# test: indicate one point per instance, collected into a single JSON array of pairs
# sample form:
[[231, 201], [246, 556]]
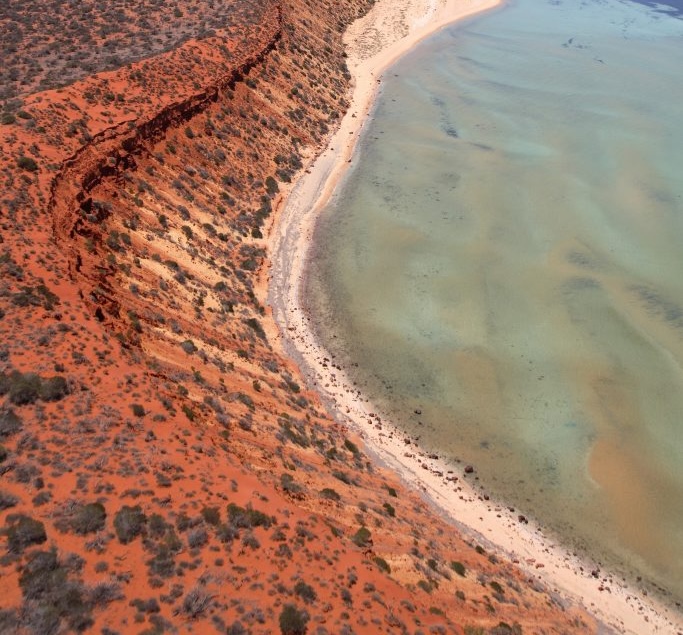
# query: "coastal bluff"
[[165, 468]]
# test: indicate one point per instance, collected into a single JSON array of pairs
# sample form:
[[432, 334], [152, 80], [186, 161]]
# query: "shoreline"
[[374, 43]]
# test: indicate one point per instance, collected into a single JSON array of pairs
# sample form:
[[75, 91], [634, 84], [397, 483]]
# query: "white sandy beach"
[[374, 43]]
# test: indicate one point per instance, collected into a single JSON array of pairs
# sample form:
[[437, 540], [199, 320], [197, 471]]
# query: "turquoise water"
[[506, 258]]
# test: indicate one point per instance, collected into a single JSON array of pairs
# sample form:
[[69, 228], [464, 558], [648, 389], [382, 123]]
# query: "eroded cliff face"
[[82, 223], [163, 466]]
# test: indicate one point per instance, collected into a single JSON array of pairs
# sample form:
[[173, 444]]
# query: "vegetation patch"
[[27, 388], [330, 494], [459, 568], [246, 517], [54, 602], [362, 538], [129, 523], [89, 518], [293, 621], [23, 532]]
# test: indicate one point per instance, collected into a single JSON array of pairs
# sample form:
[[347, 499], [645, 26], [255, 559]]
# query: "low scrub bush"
[[459, 568], [57, 604], [27, 388], [10, 423], [7, 500], [195, 603], [27, 163], [293, 621], [246, 517], [305, 591], [129, 523], [330, 494], [362, 538], [24, 532], [89, 518]]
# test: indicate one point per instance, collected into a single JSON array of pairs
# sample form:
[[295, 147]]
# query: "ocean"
[[501, 272]]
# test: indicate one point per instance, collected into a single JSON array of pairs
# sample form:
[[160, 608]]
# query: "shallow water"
[[506, 258]]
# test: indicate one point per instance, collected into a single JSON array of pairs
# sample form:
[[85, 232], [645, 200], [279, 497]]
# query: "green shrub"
[[39, 295], [382, 564], [56, 603], [137, 409], [295, 433], [305, 591], [505, 629], [197, 537], [459, 568], [246, 518], [237, 628], [54, 388], [391, 491], [289, 485], [24, 532], [351, 447], [7, 500], [211, 515], [330, 494], [41, 574], [362, 538], [342, 476], [129, 523], [389, 509], [196, 602], [104, 593], [271, 186], [27, 163], [189, 347], [255, 325], [425, 586], [10, 423], [496, 587], [162, 563], [226, 533], [89, 518], [25, 388], [146, 606], [293, 621], [157, 526]]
